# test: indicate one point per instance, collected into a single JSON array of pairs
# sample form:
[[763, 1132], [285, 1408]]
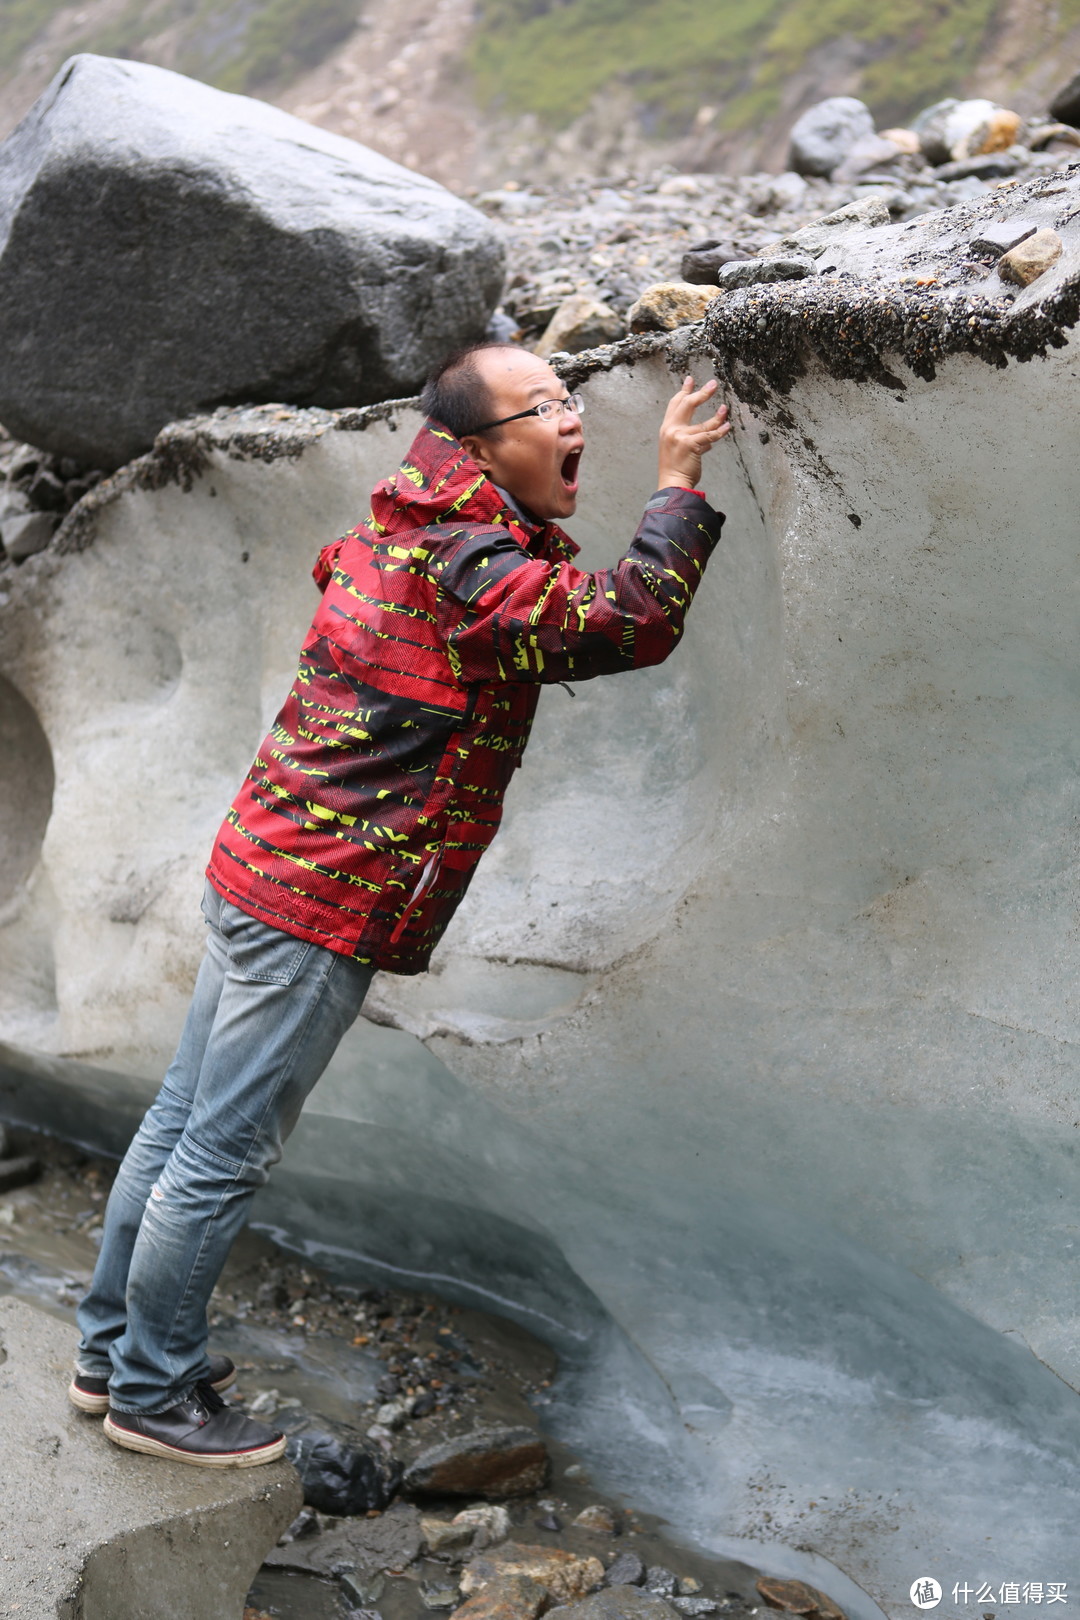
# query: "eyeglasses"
[[546, 409]]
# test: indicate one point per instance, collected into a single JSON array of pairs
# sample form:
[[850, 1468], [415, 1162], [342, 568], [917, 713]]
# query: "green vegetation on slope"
[[551, 57], [240, 45]]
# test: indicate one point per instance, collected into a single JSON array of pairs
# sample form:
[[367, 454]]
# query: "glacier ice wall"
[[747, 1073]]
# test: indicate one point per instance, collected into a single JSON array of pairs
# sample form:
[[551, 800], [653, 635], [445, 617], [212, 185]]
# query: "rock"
[[439, 1595], [548, 1521], [446, 1535], [392, 1415], [341, 1479], [995, 133], [23, 536], [863, 214], [780, 193], [502, 328], [701, 262], [962, 129], [1040, 137], [750, 272], [871, 152], [1065, 105], [1033, 256], [392, 1541], [512, 1597], [823, 137], [18, 1172], [489, 1523], [598, 1519], [694, 1606], [580, 322], [999, 235], [563, 1575], [660, 1582], [164, 245], [486, 1462], [797, 1597], [46, 491], [989, 166], [625, 1570], [669, 304], [620, 1603]]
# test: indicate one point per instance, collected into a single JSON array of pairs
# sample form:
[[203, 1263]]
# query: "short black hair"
[[456, 395]]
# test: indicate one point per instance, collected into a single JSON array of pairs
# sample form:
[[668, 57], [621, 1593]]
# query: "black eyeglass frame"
[[574, 401]]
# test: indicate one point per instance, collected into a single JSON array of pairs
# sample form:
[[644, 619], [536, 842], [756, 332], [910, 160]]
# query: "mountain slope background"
[[479, 91]]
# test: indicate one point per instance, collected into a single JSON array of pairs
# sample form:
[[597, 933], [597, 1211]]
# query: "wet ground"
[[312, 1355]]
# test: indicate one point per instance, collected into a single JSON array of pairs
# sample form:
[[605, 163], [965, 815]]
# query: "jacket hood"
[[438, 482]]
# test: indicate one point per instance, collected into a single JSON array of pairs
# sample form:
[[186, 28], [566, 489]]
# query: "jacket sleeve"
[[508, 616]]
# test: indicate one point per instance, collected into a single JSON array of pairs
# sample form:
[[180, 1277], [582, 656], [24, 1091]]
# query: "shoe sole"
[[227, 1459], [98, 1405]]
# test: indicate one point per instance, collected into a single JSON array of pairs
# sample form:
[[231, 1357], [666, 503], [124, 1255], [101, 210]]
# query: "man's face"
[[536, 461]]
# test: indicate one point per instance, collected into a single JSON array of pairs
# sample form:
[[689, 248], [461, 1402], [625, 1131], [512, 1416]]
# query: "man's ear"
[[476, 447]]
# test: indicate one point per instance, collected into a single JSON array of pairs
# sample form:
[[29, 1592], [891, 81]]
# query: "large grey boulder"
[[826, 133], [166, 247]]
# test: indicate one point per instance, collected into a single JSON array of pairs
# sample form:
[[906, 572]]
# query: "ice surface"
[[748, 1071]]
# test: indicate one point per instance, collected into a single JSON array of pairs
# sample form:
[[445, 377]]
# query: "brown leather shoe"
[[201, 1430]]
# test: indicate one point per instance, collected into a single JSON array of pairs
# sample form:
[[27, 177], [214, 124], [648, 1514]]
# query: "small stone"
[[563, 1575], [660, 1582], [512, 1597], [485, 1462], [822, 138], [304, 1525], [701, 262], [548, 1521], [367, 1547], [443, 1535], [264, 1403], [626, 1570], [439, 1595], [1042, 135], [865, 213], [18, 1172], [392, 1415], [23, 536], [797, 1597], [873, 151], [988, 166], [620, 1603], [694, 1606], [1000, 235], [752, 272], [688, 1587], [668, 304], [489, 1523], [46, 491], [1031, 258], [423, 1404], [598, 1519], [580, 322], [905, 139]]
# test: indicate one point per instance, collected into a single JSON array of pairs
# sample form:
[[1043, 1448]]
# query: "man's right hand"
[[683, 441]]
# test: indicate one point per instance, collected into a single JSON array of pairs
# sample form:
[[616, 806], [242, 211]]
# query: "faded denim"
[[266, 1017]]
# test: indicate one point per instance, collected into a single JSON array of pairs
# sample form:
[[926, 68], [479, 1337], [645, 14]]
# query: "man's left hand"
[[683, 441]]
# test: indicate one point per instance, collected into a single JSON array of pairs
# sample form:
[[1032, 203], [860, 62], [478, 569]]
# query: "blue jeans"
[[266, 1017]]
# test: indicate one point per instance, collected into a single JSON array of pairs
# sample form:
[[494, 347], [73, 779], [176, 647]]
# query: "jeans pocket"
[[259, 953]]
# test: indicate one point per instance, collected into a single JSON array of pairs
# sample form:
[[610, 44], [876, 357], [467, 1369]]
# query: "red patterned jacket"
[[381, 783]]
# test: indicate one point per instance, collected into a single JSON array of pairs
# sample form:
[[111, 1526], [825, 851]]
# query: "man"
[[355, 834]]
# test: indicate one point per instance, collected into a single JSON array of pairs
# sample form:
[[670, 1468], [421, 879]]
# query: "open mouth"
[[569, 470]]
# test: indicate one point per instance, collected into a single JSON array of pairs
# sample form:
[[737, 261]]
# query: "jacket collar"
[[438, 482]]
